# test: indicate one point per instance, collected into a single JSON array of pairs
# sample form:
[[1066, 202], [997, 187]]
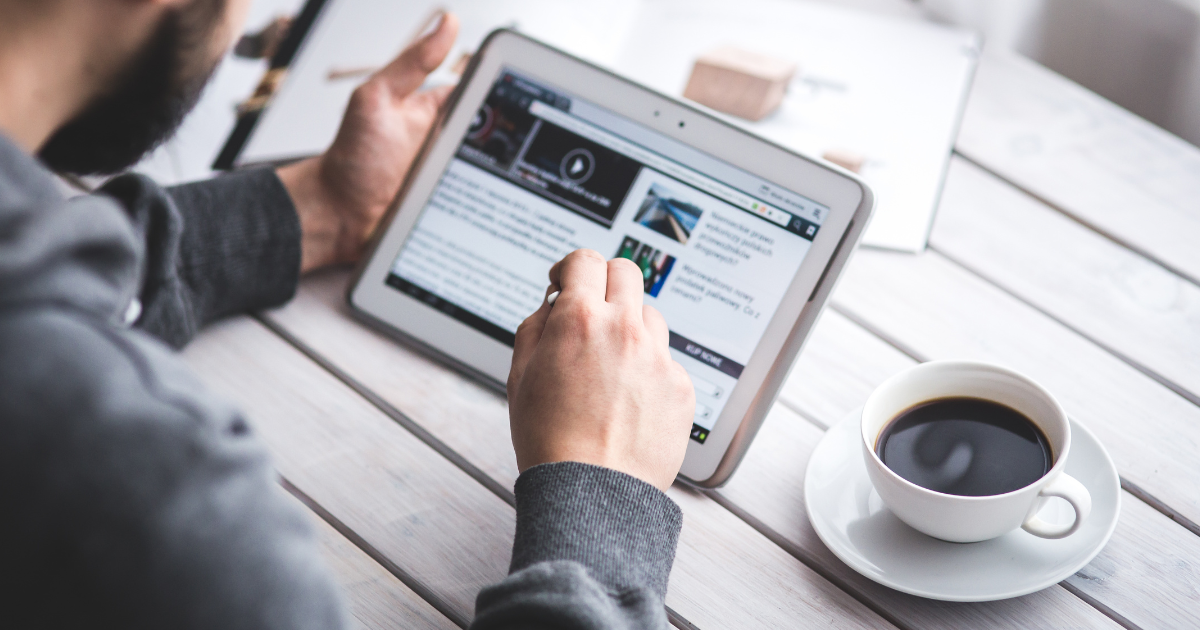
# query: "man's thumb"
[[407, 72]]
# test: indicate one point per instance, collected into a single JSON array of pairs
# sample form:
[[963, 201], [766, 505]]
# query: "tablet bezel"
[[849, 200]]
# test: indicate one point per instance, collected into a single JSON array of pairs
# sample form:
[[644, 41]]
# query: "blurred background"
[[1143, 55]]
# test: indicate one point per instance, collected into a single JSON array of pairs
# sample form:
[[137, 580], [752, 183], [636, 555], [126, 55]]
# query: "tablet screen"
[[541, 173]]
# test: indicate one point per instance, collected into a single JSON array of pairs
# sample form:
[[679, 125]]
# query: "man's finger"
[[582, 274], [429, 101], [625, 283], [407, 72], [529, 333]]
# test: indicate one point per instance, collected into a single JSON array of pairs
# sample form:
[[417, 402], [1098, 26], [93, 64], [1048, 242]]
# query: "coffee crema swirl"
[[965, 446]]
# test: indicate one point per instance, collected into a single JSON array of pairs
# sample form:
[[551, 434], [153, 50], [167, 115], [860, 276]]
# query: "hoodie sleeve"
[[593, 550], [214, 248]]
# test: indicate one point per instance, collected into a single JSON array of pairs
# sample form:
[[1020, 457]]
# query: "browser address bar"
[[655, 161]]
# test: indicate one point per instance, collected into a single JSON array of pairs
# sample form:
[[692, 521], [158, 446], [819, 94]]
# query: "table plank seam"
[[679, 621], [1079, 219], [396, 415], [400, 418], [1159, 506], [794, 408], [405, 577], [857, 320], [1131, 362], [805, 558], [1098, 605]]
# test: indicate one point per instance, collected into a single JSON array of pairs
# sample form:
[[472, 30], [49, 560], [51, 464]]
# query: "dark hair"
[[148, 101]]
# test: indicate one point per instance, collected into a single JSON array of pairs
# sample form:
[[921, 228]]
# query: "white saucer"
[[852, 521]]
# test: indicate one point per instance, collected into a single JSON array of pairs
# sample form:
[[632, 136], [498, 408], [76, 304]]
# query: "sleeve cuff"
[[622, 530], [241, 243]]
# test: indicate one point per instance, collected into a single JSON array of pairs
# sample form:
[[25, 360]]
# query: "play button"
[[577, 166]]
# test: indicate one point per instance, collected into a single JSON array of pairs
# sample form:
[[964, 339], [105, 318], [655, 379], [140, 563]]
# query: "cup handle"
[[1065, 487]]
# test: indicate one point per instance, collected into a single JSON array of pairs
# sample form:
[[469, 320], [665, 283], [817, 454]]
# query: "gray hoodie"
[[133, 498]]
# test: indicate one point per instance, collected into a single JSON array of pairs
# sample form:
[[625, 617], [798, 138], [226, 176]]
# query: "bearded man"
[[132, 498]]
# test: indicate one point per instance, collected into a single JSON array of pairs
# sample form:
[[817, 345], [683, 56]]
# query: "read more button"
[[706, 356]]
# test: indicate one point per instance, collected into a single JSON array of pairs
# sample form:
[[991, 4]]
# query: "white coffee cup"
[[973, 518]]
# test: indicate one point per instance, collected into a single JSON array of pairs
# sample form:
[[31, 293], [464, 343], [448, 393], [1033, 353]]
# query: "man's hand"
[[593, 380], [341, 195]]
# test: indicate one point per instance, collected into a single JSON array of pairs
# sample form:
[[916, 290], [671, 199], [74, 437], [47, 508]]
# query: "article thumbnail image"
[[500, 126], [587, 178], [663, 212], [655, 264]]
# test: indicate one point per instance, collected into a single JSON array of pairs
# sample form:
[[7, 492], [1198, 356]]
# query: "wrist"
[[583, 449], [321, 228]]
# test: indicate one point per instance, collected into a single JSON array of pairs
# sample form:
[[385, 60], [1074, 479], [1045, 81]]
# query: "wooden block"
[[848, 160], [739, 82]]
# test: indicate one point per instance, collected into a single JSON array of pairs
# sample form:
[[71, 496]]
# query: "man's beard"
[[147, 104]]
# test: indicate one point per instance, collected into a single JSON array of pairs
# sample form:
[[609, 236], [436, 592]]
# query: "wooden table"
[[1067, 246]]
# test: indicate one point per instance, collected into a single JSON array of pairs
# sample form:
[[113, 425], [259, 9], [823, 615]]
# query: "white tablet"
[[537, 154]]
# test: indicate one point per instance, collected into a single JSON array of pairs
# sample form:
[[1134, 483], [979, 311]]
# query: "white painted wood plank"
[[726, 573], [734, 577], [1148, 573], [942, 311], [1111, 294], [220, 357], [401, 496], [1087, 156], [318, 317], [840, 365], [376, 598]]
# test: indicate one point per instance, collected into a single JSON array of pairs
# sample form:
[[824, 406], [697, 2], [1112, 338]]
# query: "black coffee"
[[965, 446]]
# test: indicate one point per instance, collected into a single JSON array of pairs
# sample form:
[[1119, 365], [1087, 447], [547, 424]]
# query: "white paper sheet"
[[891, 90]]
